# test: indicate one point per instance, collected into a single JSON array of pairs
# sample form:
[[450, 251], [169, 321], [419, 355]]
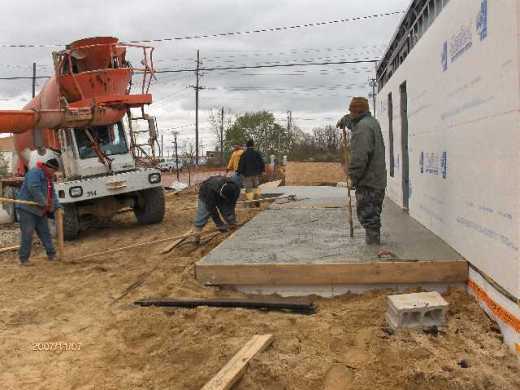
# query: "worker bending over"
[[37, 187], [250, 168], [367, 170], [217, 194]]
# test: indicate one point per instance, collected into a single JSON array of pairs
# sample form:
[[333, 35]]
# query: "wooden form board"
[[376, 272], [234, 369]]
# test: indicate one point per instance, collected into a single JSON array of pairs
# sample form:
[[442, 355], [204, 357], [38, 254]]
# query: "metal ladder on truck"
[[143, 142]]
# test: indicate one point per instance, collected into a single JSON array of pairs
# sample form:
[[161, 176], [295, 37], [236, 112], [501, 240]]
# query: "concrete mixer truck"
[[85, 115]]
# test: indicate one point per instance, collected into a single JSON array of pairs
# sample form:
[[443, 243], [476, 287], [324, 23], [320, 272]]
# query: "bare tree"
[[215, 120], [323, 145]]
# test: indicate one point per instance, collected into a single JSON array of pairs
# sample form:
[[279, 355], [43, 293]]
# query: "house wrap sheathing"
[[449, 107]]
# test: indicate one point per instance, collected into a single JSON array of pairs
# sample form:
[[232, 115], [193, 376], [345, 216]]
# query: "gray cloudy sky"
[[316, 95]]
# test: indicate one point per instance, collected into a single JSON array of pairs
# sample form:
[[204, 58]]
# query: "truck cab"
[[79, 154], [100, 178]]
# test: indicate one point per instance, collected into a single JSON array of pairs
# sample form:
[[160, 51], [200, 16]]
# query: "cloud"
[[314, 93]]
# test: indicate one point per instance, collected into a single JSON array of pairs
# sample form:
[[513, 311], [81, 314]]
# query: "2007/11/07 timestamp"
[[56, 346]]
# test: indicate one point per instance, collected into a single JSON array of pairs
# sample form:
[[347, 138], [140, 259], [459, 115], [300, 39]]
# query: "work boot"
[[373, 237], [257, 195], [250, 196], [223, 228]]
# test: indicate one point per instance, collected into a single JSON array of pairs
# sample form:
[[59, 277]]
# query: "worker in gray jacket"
[[367, 170]]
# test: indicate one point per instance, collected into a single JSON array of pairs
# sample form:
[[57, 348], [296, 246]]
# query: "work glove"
[[345, 122]]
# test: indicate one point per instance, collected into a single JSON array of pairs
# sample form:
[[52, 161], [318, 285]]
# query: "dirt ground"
[[313, 174], [345, 345]]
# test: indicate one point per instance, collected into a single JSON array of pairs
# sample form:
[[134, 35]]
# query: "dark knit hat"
[[359, 105], [52, 163], [229, 191]]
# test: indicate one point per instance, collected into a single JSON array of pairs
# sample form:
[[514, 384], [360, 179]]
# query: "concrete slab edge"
[[330, 291], [366, 273]]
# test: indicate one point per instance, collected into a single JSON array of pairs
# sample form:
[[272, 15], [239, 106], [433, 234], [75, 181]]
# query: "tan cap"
[[359, 105]]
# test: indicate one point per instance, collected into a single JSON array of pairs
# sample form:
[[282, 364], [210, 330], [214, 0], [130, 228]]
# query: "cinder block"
[[416, 310]]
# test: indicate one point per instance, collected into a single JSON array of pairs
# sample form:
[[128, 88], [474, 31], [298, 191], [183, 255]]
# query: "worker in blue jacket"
[[37, 187]]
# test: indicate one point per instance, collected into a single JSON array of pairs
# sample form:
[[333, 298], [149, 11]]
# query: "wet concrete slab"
[[303, 247], [314, 229]]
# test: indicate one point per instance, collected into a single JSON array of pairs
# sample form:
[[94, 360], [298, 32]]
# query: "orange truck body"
[[91, 87]]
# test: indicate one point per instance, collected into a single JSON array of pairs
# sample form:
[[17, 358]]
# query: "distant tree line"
[[271, 138], [324, 144]]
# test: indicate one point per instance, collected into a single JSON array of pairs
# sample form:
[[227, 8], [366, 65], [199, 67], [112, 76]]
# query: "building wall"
[[463, 88]]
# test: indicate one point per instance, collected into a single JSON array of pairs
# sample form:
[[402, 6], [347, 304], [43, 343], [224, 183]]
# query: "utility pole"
[[197, 88], [175, 133], [373, 84], [161, 152], [289, 126], [34, 80], [222, 136]]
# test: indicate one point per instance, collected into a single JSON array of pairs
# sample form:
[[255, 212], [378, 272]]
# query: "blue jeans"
[[30, 222], [203, 215]]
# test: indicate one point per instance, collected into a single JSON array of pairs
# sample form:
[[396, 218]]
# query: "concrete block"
[[416, 310]]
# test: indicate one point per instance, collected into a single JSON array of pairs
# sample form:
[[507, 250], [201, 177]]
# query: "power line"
[[259, 66], [227, 34], [24, 77], [272, 29], [217, 68]]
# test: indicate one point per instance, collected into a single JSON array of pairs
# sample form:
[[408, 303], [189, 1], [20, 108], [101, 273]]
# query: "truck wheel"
[[150, 207], [71, 224]]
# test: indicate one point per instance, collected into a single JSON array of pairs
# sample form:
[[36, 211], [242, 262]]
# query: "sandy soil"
[[344, 346], [313, 174]]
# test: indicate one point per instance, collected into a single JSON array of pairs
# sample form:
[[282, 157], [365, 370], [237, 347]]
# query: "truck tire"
[[71, 225], [150, 207]]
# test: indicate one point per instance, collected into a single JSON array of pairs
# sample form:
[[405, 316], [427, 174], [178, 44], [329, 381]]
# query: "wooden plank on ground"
[[374, 272], [60, 234], [173, 245], [133, 246], [234, 369], [9, 248]]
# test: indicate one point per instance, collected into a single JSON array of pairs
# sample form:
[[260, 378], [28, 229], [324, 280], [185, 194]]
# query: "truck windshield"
[[111, 138]]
